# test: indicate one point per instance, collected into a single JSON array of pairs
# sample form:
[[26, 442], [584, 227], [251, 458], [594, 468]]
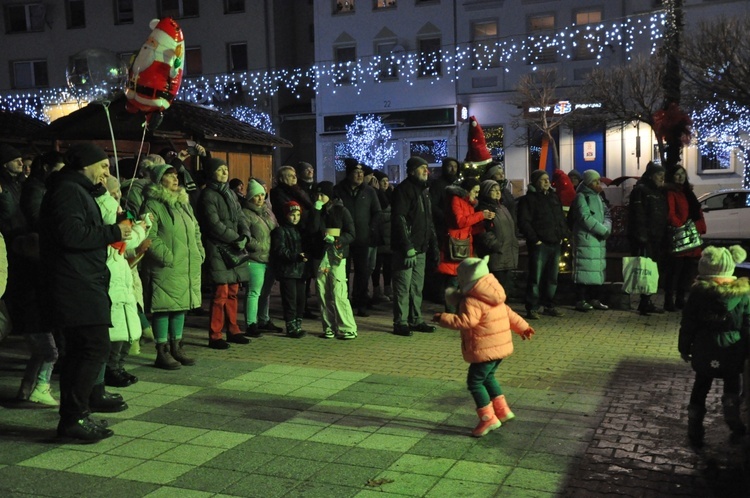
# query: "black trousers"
[[86, 351], [362, 261], [292, 297]]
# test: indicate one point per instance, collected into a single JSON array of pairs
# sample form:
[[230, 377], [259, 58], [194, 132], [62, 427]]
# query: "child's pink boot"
[[502, 410], [487, 421]]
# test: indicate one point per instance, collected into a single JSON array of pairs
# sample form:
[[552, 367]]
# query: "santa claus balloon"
[[156, 73]]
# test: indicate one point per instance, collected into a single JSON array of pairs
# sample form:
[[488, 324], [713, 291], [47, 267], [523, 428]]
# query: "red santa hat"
[[478, 153], [168, 26]]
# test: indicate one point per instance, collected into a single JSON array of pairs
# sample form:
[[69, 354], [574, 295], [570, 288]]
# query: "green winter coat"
[[715, 327], [222, 224], [171, 269], [260, 225], [591, 227]]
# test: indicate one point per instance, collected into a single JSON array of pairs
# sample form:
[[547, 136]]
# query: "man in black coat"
[[542, 223], [362, 202], [412, 237], [73, 244]]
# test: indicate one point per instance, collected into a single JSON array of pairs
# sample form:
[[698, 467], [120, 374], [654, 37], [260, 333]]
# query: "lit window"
[[716, 156], [178, 8], [385, 4], [484, 36], [342, 6], [23, 18], [429, 57], [30, 74], [587, 40], [237, 57], [75, 14], [540, 28], [389, 53], [123, 11]]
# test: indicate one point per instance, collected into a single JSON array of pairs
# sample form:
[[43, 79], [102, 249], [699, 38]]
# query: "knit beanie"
[[652, 168], [536, 175], [158, 171], [485, 187], [302, 166], [379, 174], [491, 172], [575, 174], [469, 183], [211, 165], [367, 170], [470, 270], [589, 176], [8, 153], [326, 188], [719, 262], [292, 206], [254, 188], [351, 164], [84, 154], [415, 162]]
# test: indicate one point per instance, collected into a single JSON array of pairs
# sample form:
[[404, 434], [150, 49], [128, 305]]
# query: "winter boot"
[[731, 406], [502, 410], [42, 394], [178, 353], [102, 401], [292, 330], [695, 425], [253, 331], [487, 421], [135, 348], [669, 302], [164, 359], [148, 334]]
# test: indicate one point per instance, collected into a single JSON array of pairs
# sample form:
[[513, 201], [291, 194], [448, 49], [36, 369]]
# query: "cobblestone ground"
[[600, 399]]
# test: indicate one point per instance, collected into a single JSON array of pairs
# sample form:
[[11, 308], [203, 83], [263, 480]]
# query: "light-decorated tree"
[[368, 140], [721, 128]]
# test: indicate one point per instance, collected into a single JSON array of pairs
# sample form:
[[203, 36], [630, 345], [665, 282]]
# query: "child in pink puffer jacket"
[[485, 322]]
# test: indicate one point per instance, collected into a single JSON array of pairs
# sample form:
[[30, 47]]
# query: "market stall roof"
[[17, 126], [181, 120]]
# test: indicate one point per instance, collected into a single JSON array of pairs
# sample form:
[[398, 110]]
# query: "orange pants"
[[224, 304]]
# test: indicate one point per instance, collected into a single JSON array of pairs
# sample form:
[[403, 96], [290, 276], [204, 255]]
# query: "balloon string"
[[137, 162], [112, 135]]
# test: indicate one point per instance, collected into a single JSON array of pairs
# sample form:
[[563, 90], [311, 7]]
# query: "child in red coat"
[[485, 322]]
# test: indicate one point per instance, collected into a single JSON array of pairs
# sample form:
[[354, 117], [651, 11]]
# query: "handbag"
[[232, 256], [640, 275], [458, 249], [685, 237]]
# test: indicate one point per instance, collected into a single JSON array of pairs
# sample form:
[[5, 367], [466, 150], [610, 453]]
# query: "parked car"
[[727, 214]]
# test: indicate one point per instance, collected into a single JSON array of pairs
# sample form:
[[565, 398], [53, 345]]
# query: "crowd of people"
[[118, 266]]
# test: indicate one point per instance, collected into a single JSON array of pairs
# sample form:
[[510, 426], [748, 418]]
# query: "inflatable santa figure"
[[156, 73], [478, 154]]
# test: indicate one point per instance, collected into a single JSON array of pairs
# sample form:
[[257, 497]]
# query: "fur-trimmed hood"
[[737, 288], [173, 199], [456, 191]]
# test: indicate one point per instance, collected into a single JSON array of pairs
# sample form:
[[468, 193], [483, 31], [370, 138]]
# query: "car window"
[[716, 202]]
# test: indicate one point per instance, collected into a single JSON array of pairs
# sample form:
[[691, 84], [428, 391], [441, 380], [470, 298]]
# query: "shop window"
[[587, 41], [345, 57], [75, 14], [123, 11], [541, 27], [483, 47], [429, 57], [432, 151], [237, 57], [234, 6], [30, 74], [24, 17], [716, 157], [193, 61], [178, 9]]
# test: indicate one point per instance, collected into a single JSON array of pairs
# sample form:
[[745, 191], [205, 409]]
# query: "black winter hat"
[[8, 153], [211, 165], [351, 164], [379, 174], [326, 188], [84, 154], [415, 162]]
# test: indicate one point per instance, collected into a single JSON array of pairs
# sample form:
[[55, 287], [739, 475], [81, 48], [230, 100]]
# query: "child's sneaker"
[[347, 335], [329, 334]]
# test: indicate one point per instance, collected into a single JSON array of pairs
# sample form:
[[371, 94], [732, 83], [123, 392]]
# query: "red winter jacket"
[[678, 214], [462, 222]]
